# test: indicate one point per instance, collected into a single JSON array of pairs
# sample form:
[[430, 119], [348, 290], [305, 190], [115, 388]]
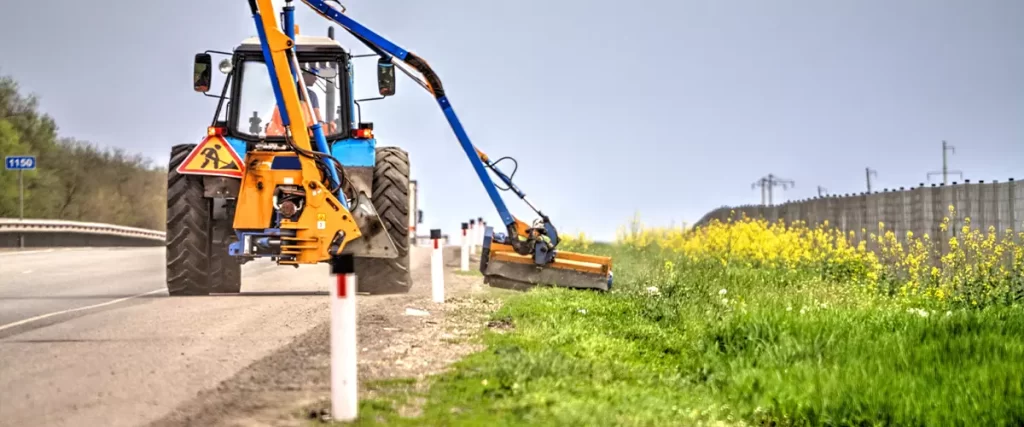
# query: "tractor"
[[205, 246]]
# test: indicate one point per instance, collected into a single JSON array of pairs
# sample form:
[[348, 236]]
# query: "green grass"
[[783, 348]]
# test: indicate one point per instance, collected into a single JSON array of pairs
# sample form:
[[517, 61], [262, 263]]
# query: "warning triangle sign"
[[213, 157]]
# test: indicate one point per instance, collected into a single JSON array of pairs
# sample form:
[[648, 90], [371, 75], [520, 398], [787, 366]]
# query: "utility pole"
[[764, 186], [867, 174], [945, 164], [822, 191], [768, 183]]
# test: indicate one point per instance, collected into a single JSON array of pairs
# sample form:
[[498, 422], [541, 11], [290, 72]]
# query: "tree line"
[[74, 180]]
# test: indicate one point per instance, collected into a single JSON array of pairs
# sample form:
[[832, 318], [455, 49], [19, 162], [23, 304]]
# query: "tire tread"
[[188, 229], [391, 200]]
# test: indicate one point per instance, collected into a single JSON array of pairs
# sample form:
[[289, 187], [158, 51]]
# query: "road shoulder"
[[397, 343]]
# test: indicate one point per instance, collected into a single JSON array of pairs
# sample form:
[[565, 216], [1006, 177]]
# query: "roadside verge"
[[401, 338]]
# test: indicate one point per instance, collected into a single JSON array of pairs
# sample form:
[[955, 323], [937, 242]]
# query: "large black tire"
[[390, 198], [225, 272], [188, 229]]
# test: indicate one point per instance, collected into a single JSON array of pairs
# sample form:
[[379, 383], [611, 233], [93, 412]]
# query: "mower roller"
[[503, 267]]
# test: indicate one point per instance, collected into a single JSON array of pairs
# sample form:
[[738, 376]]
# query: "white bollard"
[[483, 230], [472, 236], [437, 267], [344, 368], [478, 241], [464, 253]]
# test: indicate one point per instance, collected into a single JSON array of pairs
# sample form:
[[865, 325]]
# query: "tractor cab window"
[[257, 108]]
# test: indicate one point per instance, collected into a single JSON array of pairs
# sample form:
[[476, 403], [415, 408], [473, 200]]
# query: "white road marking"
[[43, 251], [56, 313], [26, 252]]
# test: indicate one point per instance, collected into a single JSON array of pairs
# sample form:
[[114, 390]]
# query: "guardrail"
[[49, 233]]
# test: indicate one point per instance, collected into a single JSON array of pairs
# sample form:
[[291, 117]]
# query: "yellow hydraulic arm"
[[326, 221]]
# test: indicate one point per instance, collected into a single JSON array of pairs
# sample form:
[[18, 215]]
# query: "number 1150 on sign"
[[20, 162]]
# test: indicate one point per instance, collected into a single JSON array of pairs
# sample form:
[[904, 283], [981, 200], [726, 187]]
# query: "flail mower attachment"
[[505, 267]]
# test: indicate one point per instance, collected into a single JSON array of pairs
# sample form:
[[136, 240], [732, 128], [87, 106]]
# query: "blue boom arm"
[[318, 133], [388, 50]]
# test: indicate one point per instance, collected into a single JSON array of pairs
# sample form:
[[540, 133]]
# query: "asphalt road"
[[90, 337]]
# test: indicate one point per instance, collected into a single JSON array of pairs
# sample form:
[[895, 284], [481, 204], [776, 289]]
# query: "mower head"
[[504, 267]]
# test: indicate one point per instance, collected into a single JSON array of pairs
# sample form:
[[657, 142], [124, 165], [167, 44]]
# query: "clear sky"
[[666, 108]]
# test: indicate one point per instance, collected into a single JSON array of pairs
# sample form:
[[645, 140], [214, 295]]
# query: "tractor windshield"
[[257, 107]]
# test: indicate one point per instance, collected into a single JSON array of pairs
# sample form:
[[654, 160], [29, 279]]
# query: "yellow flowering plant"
[[976, 268]]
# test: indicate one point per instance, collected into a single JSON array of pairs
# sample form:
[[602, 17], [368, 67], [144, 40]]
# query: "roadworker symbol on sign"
[[212, 157]]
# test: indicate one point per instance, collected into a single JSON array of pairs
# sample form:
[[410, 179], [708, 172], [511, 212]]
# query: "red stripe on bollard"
[[341, 286], [435, 243]]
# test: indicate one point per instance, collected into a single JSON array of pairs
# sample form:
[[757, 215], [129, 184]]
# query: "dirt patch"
[[501, 325], [397, 342]]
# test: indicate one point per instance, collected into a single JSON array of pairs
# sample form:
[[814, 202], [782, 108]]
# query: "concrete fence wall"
[[919, 210]]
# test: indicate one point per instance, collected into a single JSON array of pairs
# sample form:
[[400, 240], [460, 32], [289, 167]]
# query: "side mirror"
[[385, 77], [202, 72]]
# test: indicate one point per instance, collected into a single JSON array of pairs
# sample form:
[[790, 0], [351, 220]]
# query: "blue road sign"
[[20, 162]]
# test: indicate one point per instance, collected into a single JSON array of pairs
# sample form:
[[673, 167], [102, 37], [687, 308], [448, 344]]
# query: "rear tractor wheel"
[[195, 265], [391, 200]]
